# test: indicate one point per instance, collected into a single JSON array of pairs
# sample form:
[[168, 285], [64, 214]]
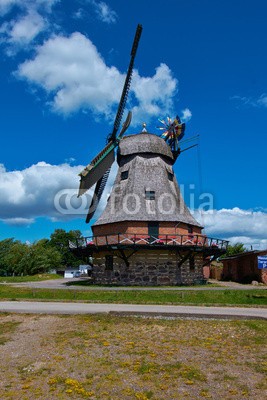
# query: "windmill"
[[146, 235], [97, 172]]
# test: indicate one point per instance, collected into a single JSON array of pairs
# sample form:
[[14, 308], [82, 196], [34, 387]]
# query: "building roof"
[[245, 254], [148, 161], [144, 143]]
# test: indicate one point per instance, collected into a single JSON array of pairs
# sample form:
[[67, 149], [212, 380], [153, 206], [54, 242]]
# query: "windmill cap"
[[148, 143]]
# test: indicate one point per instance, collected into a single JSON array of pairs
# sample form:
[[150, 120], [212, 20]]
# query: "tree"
[[234, 249], [11, 253], [40, 259], [5, 246], [60, 240], [17, 258]]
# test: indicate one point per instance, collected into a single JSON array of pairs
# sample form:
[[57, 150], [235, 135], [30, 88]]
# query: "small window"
[[124, 175], [170, 176], [190, 229], [109, 263], [150, 195], [192, 262]]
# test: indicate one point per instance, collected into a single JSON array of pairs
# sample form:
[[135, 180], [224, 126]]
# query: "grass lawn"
[[250, 297], [112, 358], [29, 278]]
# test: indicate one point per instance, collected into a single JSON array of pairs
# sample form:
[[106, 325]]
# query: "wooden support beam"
[[216, 253], [124, 257], [184, 258]]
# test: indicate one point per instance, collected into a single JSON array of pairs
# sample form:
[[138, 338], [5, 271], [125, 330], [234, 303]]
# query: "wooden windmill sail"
[[98, 169]]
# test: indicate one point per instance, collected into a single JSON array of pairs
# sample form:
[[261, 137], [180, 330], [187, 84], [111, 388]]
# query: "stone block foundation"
[[148, 268]]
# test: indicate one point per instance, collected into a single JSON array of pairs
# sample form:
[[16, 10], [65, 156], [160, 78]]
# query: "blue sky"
[[62, 68]]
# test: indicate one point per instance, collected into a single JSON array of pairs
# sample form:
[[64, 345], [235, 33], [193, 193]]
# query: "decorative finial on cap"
[[144, 128]]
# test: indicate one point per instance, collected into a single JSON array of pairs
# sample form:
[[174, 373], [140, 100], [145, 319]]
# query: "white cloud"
[[23, 30], [45, 4], [79, 14], [154, 94], [2, 168], [235, 224], [18, 221], [29, 193], [104, 12], [45, 190], [249, 242], [260, 101], [186, 115], [7, 5], [73, 72], [69, 160], [28, 21]]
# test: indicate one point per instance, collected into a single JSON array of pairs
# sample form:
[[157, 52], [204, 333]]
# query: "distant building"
[[72, 273], [244, 267], [77, 272]]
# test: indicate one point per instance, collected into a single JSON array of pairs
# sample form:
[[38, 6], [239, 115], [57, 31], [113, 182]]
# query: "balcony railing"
[[127, 239]]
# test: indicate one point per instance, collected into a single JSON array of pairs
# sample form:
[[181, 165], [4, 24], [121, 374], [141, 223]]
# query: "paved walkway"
[[132, 309]]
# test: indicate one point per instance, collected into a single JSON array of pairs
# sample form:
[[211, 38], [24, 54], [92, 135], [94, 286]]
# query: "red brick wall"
[[206, 272], [108, 229], [138, 227], [173, 228], [141, 228]]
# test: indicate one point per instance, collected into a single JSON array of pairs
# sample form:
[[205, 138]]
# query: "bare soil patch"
[[110, 357]]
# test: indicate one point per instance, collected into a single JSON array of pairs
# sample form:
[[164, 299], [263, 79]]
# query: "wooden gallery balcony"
[[197, 243]]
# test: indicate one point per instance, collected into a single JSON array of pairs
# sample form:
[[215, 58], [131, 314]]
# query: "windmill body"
[[146, 235], [145, 191]]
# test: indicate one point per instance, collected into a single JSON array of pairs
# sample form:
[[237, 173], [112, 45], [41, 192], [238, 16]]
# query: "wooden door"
[[153, 230]]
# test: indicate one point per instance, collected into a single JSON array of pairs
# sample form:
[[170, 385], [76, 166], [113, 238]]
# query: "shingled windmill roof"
[[144, 143], [148, 160]]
